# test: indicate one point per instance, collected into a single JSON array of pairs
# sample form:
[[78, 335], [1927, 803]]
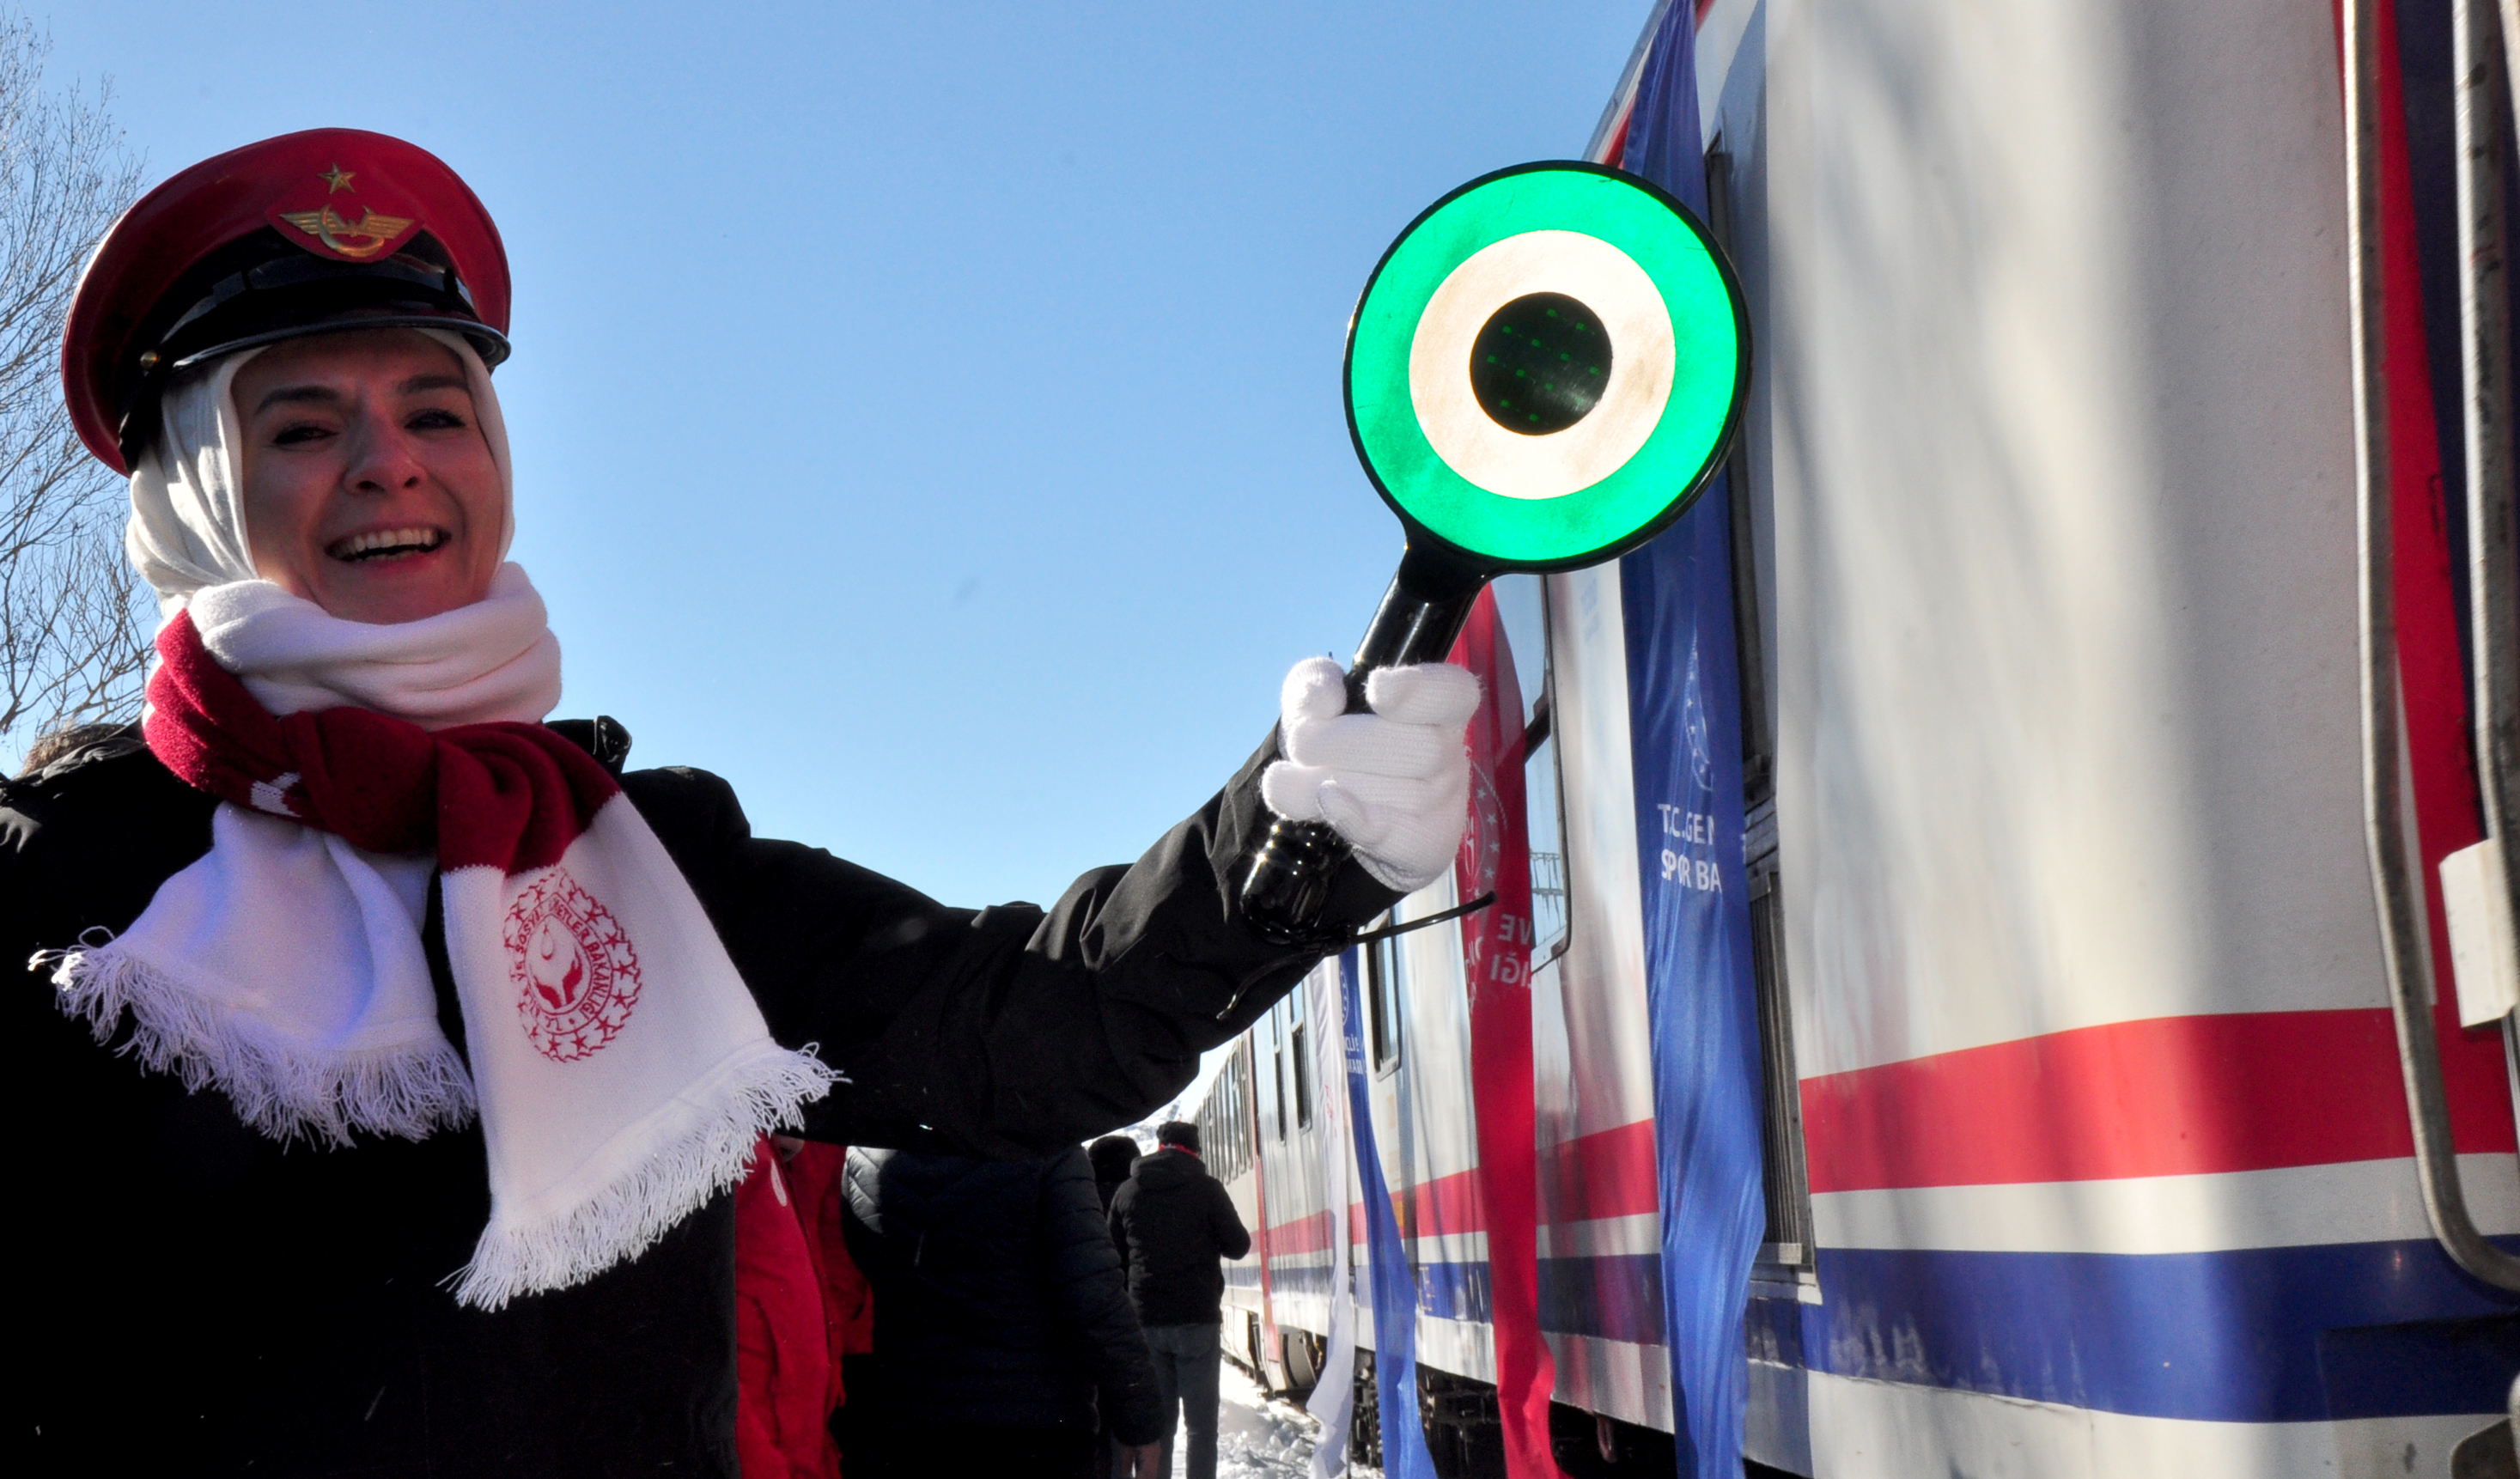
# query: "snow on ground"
[[1258, 1438]]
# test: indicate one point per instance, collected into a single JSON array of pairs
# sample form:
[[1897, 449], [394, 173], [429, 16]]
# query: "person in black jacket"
[[1001, 1315], [1113, 1155], [347, 885], [1173, 1222]]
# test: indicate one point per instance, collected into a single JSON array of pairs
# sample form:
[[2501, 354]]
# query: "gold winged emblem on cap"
[[358, 241]]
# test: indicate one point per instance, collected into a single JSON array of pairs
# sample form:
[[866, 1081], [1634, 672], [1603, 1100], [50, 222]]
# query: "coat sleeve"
[[1005, 1032], [85, 844], [1092, 1297], [1224, 1224], [1117, 1224]]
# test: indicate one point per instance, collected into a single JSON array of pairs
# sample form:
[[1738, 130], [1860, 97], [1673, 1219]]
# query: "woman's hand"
[[1394, 783]]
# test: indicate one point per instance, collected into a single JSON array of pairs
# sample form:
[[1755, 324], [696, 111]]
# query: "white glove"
[[1394, 783]]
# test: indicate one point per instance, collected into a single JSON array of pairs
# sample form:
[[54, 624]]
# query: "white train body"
[[2090, 1156]]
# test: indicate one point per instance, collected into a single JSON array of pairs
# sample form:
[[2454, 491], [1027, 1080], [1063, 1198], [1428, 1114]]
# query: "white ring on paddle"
[[1593, 273]]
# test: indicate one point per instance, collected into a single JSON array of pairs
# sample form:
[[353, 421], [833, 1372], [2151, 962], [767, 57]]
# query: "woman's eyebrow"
[[432, 380], [287, 394]]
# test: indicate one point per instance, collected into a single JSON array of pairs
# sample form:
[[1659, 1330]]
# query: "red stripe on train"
[[2167, 1097], [1609, 1173], [1304, 1234]]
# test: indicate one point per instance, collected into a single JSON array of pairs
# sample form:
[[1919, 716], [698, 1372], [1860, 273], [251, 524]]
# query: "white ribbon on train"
[[1333, 1398]]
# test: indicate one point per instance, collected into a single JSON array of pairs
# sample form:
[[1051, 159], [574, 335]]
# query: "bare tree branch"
[[73, 618]]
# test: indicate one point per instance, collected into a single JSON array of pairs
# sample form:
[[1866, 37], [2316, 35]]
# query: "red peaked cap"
[[329, 229]]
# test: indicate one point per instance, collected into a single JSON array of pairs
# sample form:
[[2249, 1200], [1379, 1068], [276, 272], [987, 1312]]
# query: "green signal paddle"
[[1544, 372]]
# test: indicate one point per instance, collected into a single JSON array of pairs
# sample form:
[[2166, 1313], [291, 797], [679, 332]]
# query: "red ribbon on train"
[[1496, 955]]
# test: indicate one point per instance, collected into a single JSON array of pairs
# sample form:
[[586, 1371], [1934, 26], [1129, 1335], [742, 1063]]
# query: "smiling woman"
[[345, 885], [370, 488]]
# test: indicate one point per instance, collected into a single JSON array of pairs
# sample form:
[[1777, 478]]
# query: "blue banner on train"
[[1404, 1455], [1684, 704]]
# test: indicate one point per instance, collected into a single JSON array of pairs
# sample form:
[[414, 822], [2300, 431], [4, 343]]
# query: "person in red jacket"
[[801, 1306]]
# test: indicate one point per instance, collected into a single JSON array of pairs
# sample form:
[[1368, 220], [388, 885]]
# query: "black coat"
[[1172, 1222], [999, 1299], [206, 1301]]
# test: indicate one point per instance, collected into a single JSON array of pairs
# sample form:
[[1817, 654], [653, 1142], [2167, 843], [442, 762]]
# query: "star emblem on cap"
[[337, 178]]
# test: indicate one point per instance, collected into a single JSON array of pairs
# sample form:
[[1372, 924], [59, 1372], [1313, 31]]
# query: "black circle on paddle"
[[1540, 364]]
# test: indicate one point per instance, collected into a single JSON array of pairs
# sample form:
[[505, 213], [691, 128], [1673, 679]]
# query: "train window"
[[1270, 1109], [1247, 1096], [1522, 610], [1278, 1072], [1244, 1135], [1383, 1014], [1787, 1241], [1548, 849], [1786, 1245], [1231, 1148], [1300, 1070], [1220, 1150], [1758, 737], [1277, 1020], [1300, 1064]]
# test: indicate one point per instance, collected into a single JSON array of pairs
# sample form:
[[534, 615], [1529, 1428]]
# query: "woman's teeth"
[[384, 543]]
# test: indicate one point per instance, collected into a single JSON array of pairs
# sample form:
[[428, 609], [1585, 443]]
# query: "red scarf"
[[511, 796]]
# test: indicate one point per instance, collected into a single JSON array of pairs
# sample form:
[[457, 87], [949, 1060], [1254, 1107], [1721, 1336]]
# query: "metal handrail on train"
[[2394, 881], [2481, 61], [2486, 63]]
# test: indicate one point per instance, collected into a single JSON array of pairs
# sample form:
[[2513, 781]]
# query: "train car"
[[2092, 1061]]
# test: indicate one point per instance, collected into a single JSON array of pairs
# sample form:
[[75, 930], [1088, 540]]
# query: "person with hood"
[[1113, 1155], [1002, 1322], [389, 1049], [1174, 1224]]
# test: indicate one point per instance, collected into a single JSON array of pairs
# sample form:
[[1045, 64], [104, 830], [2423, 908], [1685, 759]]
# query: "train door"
[[2107, 1139]]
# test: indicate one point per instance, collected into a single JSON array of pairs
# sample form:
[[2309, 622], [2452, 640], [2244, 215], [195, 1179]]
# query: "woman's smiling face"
[[369, 488]]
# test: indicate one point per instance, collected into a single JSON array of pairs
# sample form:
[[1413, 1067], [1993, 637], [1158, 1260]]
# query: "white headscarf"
[[188, 529], [493, 659]]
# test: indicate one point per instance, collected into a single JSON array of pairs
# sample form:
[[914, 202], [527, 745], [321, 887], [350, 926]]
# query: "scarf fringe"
[[283, 1091], [619, 1221]]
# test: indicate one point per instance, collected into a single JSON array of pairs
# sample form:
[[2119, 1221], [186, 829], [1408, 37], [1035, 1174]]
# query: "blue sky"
[[926, 417]]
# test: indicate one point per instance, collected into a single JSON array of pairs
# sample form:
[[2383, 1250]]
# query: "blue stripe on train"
[[1617, 1297], [2340, 1330], [2251, 1335], [1300, 1278]]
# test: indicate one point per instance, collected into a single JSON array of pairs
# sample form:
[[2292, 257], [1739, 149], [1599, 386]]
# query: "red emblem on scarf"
[[576, 976]]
